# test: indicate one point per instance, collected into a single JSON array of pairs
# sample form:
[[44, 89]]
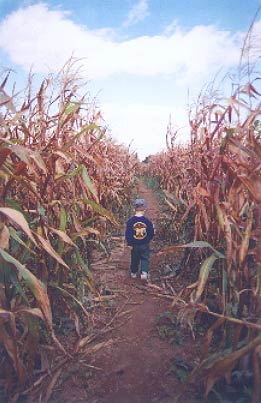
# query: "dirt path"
[[134, 367]]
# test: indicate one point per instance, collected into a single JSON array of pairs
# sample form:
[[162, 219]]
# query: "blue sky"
[[141, 57]]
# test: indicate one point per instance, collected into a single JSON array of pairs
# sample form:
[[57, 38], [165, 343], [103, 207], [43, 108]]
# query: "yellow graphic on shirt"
[[140, 230]]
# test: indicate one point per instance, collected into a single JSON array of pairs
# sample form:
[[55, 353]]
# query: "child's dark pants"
[[140, 254]]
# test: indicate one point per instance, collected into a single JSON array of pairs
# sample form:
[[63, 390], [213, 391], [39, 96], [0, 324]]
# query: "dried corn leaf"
[[18, 219], [49, 249], [203, 275]]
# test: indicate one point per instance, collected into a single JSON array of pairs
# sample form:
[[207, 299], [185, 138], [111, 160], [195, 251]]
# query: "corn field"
[[61, 175], [216, 179], [62, 181]]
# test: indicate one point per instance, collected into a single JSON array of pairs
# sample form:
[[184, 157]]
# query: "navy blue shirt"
[[139, 231]]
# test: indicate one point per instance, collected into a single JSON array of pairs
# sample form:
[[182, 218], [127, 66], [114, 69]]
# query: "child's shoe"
[[133, 275], [144, 275]]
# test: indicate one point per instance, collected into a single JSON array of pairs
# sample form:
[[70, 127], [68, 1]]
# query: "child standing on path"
[[139, 232]]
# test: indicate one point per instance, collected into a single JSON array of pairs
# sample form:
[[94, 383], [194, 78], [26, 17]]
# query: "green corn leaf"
[[11, 203], [14, 235], [203, 244], [17, 285], [89, 183], [203, 274], [83, 264], [71, 299], [63, 219], [101, 210], [71, 109], [71, 174], [85, 129], [36, 286], [88, 276], [100, 244], [195, 244]]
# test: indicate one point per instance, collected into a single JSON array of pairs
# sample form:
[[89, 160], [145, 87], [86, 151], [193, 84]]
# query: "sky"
[[145, 61]]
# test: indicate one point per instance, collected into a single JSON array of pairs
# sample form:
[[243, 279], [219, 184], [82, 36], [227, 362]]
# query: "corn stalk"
[[60, 176], [216, 179]]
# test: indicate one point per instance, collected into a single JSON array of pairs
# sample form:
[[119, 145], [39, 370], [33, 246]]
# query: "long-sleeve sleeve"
[[150, 231], [129, 233]]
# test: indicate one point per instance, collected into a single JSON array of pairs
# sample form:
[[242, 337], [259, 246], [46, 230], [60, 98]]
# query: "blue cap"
[[140, 203]]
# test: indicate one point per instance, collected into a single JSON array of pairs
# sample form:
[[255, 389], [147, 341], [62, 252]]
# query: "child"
[[138, 234]]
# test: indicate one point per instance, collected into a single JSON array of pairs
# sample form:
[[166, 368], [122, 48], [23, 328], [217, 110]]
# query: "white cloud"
[[147, 124], [43, 39], [49, 43], [138, 13]]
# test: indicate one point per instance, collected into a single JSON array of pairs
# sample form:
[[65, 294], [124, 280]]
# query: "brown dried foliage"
[[60, 176], [217, 179]]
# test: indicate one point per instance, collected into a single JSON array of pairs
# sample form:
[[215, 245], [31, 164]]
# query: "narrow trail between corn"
[[134, 366]]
